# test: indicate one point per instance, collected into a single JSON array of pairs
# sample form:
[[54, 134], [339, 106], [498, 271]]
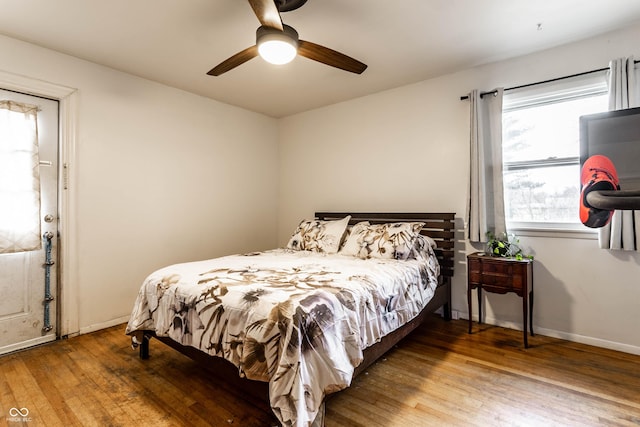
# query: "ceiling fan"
[[279, 43]]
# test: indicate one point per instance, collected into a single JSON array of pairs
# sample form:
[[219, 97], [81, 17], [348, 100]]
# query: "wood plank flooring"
[[438, 376]]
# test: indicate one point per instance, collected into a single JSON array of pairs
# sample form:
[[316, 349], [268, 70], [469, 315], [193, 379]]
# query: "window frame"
[[562, 90]]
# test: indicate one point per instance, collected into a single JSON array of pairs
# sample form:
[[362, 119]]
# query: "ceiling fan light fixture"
[[277, 52], [277, 47]]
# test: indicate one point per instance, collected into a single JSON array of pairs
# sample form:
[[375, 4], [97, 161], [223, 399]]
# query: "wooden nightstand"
[[501, 275]]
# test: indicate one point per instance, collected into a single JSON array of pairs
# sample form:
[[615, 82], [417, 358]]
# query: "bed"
[[308, 318]]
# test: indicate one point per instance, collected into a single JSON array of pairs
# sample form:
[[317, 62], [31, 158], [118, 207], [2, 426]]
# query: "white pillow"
[[319, 236]]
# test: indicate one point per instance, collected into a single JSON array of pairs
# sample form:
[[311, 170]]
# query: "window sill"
[[560, 231]]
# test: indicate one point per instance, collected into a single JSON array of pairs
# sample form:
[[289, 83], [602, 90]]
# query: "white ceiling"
[[176, 42]]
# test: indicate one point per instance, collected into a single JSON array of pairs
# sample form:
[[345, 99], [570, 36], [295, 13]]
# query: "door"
[[28, 314]]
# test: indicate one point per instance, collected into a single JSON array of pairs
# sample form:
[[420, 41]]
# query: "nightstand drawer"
[[505, 280]]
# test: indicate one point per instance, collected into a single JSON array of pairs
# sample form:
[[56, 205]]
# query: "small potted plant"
[[505, 245]]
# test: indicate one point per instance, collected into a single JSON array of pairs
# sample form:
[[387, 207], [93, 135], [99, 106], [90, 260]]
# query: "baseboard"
[[103, 325], [597, 342], [582, 339]]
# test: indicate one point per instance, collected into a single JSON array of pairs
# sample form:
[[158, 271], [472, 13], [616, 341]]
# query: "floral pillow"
[[357, 226], [422, 247], [387, 241], [319, 236], [350, 245]]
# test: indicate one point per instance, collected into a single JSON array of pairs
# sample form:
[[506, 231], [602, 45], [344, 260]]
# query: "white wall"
[[407, 150], [163, 176]]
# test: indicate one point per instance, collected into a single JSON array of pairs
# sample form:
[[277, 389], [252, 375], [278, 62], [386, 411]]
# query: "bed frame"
[[438, 226]]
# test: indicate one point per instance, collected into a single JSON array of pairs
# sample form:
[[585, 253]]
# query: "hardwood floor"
[[437, 376]]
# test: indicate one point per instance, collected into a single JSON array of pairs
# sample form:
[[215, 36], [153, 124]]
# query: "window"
[[541, 148], [19, 178]]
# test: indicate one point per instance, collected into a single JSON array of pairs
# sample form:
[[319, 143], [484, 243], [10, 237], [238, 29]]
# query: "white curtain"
[[19, 178], [485, 207], [623, 231]]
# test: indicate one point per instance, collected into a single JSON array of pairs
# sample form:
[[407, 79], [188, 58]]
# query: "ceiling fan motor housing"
[[287, 5]]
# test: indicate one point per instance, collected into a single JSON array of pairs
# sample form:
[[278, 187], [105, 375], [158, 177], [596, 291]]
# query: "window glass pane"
[[541, 147], [547, 131], [543, 194]]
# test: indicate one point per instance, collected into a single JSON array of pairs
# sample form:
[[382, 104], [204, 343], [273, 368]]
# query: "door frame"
[[68, 286]]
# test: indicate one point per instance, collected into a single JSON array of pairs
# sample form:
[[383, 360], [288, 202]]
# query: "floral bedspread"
[[298, 320]]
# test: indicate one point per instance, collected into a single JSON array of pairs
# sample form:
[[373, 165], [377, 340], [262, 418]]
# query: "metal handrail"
[[614, 200]]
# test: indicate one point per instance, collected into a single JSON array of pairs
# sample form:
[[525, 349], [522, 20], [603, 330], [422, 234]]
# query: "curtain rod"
[[462, 98]]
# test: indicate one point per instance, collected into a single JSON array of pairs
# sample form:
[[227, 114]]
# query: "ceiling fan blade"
[[232, 62], [330, 57], [267, 13]]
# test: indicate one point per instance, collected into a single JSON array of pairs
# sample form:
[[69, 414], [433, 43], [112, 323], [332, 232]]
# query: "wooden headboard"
[[438, 226]]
